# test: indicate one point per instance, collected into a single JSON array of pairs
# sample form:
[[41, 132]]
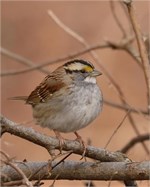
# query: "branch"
[[36, 67], [33, 67], [51, 143], [72, 170], [127, 48], [134, 141]]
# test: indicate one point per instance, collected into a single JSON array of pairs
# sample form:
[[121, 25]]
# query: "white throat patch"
[[90, 80]]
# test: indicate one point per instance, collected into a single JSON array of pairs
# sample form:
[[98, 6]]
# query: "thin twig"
[[112, 6], [125, 45], [127, 16], [118, 127], [126, 107], [138, 132], [20, 59], [18, 170], [62, 160], [103, 45], [66, 28], [50, 163], [44, 64], [134, 141]]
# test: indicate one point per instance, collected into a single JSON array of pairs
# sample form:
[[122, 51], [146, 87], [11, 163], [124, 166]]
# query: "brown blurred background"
[[28, 31]]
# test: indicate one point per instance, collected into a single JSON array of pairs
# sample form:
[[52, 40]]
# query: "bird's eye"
[[83, 71]]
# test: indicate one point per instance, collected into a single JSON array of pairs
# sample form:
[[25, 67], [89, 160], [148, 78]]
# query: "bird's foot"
[[80, 140], [61, 140]]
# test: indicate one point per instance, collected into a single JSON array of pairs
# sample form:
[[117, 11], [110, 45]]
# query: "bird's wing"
[[45, 90]]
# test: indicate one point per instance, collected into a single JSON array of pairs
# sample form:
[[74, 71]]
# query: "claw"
[[79, 139], [61, 140]]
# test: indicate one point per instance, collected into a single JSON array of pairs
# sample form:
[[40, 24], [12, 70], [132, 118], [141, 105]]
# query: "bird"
[[68, 99]]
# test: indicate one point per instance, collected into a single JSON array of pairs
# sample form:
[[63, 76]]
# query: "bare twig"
[[112, 6], [66, 28], [17, 169], [124, 44], [127, 16], [120, 124], [134, 141], [64, 58], [20, 59], [103, 45], [141, 46], [126, 107], [128, 48], [49, 166], [137, 132]]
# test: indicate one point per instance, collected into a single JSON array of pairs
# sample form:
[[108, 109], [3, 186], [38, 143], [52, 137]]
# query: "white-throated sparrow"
[[68, 99]]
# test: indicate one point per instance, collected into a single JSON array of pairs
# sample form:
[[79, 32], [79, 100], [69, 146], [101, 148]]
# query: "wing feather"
[[45, 90]]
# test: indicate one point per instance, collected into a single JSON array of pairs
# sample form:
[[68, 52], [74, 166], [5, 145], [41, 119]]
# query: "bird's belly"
[[65, 116]]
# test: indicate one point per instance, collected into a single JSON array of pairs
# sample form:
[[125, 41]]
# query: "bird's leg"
[[61, 140], [79, 139]]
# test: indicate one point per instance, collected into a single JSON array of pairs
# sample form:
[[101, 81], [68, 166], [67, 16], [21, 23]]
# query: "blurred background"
[[28, 30]]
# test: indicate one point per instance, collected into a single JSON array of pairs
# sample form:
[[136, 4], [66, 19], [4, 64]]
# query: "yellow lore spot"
[[88, 69]]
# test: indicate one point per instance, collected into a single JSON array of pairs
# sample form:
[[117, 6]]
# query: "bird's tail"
[[23, 98]]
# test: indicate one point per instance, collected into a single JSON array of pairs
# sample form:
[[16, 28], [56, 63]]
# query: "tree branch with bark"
[[106, 166]]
